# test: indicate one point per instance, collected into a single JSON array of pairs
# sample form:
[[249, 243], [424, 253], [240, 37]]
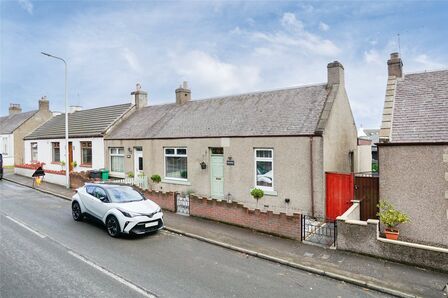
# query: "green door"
[[217, 176]]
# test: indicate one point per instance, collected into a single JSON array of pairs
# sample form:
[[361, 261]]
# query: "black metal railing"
[[322, 231]]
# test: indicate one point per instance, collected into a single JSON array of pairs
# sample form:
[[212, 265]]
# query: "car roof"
[[108, 185]]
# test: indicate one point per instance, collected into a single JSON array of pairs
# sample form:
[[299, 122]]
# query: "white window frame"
[[5, 146], [165, 155], [37, 151], [270, 159], [116, 154]]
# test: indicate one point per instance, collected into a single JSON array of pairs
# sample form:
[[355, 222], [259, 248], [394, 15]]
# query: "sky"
[[219, 47]]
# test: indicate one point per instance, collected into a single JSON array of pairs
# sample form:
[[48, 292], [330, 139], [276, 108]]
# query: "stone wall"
[[363, 237], [234, 213]]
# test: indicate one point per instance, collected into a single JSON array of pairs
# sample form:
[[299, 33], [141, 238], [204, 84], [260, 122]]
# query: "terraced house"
[[17, 125], [86, 147], [413, 151], [281, 141]]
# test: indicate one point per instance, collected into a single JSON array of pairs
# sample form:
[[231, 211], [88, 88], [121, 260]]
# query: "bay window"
[[176, 163], [264, 169], [117, 159]]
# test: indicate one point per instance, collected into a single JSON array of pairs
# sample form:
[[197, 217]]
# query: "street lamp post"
[[67, 166]]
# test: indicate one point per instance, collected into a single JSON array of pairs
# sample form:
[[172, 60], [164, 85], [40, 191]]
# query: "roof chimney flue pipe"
[[183, 94], [395, 65], [335, 73]]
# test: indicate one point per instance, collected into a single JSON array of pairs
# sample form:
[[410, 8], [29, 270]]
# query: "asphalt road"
[[44, 253]]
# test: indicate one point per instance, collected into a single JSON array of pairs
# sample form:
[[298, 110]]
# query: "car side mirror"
[[104, 199]]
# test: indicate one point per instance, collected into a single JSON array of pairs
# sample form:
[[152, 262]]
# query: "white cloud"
[[296, 36], [210, 73], [26, 5], [372, 56], [131, 59], [323, 26], [427, 63]]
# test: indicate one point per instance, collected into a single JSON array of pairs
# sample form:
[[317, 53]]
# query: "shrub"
[[156, 178], [130, 174], [257, 193], [390, 216]]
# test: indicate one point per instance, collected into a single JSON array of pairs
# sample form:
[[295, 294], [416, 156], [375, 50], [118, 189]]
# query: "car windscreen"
[[124, 194]]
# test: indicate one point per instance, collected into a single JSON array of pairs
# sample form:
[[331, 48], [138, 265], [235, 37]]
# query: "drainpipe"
[[312, 176]]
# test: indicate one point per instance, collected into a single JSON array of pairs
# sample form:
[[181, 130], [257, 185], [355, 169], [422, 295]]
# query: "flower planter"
[[392, 234]]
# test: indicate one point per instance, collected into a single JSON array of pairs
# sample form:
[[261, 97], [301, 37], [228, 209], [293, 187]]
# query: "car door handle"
[[217, 178]]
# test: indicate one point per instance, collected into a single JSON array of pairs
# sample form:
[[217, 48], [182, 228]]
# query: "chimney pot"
[[395, 65], [335, 73], [14, 108], [139, 97], [183, 93]]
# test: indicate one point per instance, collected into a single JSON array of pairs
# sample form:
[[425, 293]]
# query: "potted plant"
[[74, 164], [62, 163], [130, 174], [391, 217], [156, 179], [257, 194]]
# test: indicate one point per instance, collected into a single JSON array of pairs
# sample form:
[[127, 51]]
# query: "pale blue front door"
[[217, 175]]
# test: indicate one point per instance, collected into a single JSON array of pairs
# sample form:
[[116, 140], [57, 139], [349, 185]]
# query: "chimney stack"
[[183, 94], [335, 72], [395, 65], [139, 97], [44, 104], [14, 108]]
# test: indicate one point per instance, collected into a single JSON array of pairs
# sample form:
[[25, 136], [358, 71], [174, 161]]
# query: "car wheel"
[[113, 227], [76, 212]]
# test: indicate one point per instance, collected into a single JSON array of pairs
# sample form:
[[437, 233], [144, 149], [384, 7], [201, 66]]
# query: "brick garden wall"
[[166, 200], [235, 213]]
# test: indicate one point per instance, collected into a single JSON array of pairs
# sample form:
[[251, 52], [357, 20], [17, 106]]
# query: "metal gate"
[[367, 191], [183, 204], [320, 231], [339, 193]]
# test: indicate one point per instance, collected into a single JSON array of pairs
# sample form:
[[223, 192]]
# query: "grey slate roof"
[[294, 111], [11, 122], [420, 112], [85, 123]]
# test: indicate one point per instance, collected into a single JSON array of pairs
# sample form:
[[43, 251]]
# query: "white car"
[[119, 207]]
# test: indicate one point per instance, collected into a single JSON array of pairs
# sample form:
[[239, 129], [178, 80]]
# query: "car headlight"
[[129, 213]]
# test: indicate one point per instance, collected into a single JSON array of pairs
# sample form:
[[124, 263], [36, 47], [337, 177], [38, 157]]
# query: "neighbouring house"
[[413, 151], [281, 141], [17, 125], [371, 134], [86, 145]]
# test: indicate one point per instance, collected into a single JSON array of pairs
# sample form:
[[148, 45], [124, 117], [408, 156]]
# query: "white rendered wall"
[[8, 160], [44, 152]]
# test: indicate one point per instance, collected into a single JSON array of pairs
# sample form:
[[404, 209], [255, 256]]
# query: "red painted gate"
[[339, 188]]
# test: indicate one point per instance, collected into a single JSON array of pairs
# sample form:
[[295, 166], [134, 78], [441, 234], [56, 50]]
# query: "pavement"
[[389, 277], [45, 253]]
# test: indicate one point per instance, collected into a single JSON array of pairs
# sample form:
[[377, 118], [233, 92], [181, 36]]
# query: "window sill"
[[85, 165], [117, 175], [56, 163], [179, 182], [272, 193]]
